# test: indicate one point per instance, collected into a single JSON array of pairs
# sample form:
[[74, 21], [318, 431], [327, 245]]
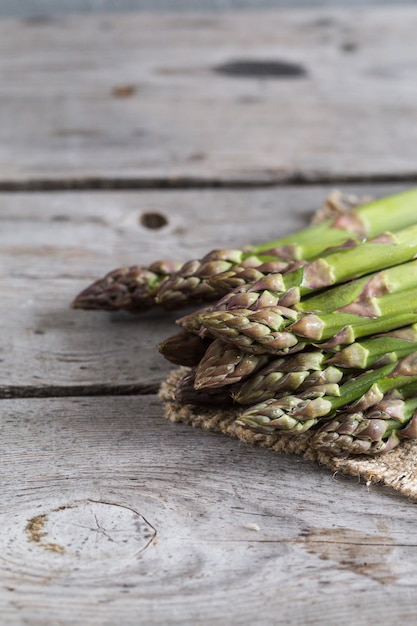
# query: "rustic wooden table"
[[232, 128]]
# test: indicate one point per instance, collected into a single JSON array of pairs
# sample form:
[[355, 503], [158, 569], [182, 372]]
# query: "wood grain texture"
[[151, 98], [111, 514], [42, 9], [54, 245]]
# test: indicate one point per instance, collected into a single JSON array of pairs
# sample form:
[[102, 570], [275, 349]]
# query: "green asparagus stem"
[[191, 283], [287, 374], [375, 431], [390, 280], [298, 413], [375, 255], [186, 393], [223, 364], [364, 299], [134, 290], [236, 277], [378, 350], [314, 366], [361, 319], [130, 289], [191, 322], [374, 352], [184, 348], [257, 332]]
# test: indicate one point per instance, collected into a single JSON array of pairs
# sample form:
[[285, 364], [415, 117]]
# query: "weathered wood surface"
[[42, 8], [153, 97], [109, 513]]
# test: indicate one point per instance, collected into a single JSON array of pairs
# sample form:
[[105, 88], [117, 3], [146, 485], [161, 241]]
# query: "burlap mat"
[[397, 469]]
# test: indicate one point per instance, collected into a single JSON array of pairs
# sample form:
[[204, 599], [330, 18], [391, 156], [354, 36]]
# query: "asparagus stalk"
[[372, 256], [377, 350], [184, 348], [236, 277], [191, 322], [276, 379], [130, 289], [269, 329], [375, 431], [190, 283], [361, 319], [186, 393], [298, 413], [308, 367], [223, 364], [284, 375], [388, 280], [257, 332]]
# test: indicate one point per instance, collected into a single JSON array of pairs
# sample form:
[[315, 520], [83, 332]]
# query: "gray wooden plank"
[[110, 514], [148, 98], [45, 8], [53, 245]]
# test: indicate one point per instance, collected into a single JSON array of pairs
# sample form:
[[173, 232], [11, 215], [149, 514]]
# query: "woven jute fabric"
[[396, 469]]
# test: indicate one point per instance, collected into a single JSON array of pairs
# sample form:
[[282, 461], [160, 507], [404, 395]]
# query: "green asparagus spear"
[[223, 364], [371, 256], [129, 289], [298, 413], [257, 332], [269, 329], [186, 393], [184, 348], [377, 350], [375, 431], [361, 319], [134, 290], [236, 277], [389, 280], [284, 375], [308, 367], [190, 283]]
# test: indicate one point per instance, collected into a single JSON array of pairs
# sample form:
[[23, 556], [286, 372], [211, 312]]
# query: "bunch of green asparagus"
[[316, 331]]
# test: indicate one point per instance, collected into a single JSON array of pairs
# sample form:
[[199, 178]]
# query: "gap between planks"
[[17, 392], [265, 179]]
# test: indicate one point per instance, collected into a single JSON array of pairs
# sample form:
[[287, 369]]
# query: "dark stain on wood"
[[154, 221], [38, 20], [349, 46], [35, 530], [75, 132], [123, 91], [253, 68], [362, 553]]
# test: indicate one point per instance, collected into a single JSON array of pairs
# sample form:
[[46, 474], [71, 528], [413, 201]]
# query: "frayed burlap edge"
[[397, 469]]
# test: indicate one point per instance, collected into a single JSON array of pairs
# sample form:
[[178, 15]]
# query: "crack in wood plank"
[[63, 391], [252, 180]]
